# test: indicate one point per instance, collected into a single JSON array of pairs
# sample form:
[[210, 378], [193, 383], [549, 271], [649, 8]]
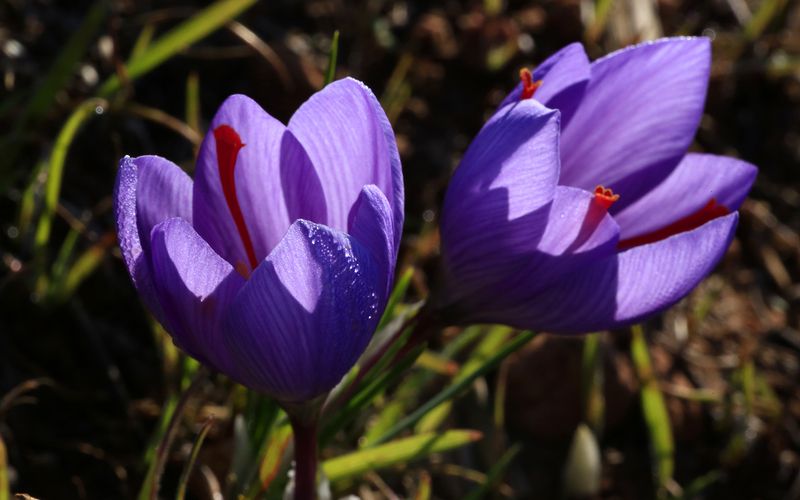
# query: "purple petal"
[[564, 77], [579, 231], [305, 315], [698, 179], [275, 183], [194, 286], [164, 191], [496, 206], [638, 116], [628, 287], [373, 227], [351, 144], [148, 190]]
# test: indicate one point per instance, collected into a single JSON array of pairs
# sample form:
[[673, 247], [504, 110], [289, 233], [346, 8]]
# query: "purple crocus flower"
[[275, 264], [577, 207]]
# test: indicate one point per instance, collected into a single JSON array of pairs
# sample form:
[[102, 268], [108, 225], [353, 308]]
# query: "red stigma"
[[529, 86], [228, 145], [605, 197], [708, 213]]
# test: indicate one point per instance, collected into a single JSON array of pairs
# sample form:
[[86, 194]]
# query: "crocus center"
[[708, 213], [528, 85], [605, 197], [228, 145]]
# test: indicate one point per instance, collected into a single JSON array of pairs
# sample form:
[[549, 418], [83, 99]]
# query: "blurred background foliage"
[[701, 403]]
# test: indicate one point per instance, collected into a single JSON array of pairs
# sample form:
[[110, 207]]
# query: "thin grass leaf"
[[491, 343], [404, 397], [79, 117], [330, 71], [273, 456], [187, 469], [5, 488], [424, 488], [143, 41], [748, 385], [58, 75], [437, 363], [699, 484], [398, 90], [363, 398], [149, 490], [654, 408], [190, 31], [384, 361], [495, 473], [400, 451], [456, 388], [598, 26], [60, 265], [64, 67], [592, 383], [166, 120], [768, 10], [83, 267], [397, 296], [27, 206], [193, 102]]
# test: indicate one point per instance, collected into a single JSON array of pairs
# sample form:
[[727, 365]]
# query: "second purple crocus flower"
[[577, 208]]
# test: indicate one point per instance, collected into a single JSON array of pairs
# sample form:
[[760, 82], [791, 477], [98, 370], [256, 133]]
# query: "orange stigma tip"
[[241, 268], [605, 197], [529, 86]]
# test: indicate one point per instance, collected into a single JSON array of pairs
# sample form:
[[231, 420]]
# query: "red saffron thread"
[[706, 214], [228, 145]]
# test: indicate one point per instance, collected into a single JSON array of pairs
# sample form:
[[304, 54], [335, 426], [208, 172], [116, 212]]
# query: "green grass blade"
[[592, 383], [424, 488], [361, 400], [58, 75], [701, 483], [495, 473], [64, 67], [84, 266], [490, 344], [193, 102], [27, 206], [187, 469], [654, 408], [5, 489], [400, 451], [330, 71], [397, 296], [456, 388], [60, 265], [143, 41], [273, 456], [79, 117], [601, 10], [403, 398], [190, 31], [767, 11]]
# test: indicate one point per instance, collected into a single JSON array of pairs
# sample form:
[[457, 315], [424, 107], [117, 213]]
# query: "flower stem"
[[305, 456]]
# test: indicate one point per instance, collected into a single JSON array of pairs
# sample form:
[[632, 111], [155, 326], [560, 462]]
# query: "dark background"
[[439, 69]]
